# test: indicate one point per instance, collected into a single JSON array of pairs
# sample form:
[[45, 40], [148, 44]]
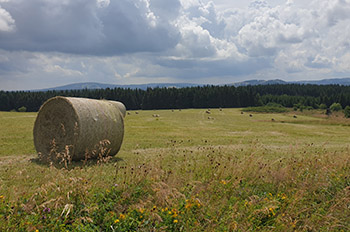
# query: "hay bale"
[[79, 123], [120, 106]]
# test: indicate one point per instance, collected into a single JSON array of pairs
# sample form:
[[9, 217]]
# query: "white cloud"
[[103, 3], [155, 40], [7, 23]]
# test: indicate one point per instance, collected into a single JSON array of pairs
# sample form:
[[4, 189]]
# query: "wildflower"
[[176, 221], [169, 212], [116, 221], [174, 215], [154, 208], [188, 205], [141, 217], [283, 196], [1, 197], [122, 216], [141, 210], [223, 182], [36, 230]]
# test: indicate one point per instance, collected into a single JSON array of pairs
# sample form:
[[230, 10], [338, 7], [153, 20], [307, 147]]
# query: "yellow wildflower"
[[122, 216], [116, 221], [142, 210], [176, 221], [36, 230], [169, 212], [1, 197], [223, 182]]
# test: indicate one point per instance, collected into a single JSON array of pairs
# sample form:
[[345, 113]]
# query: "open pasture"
[[185, 170]]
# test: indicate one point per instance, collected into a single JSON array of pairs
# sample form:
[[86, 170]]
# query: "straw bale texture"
[[79, 123]]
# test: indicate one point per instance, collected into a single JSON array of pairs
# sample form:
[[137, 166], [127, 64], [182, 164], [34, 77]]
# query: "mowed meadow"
[[185, 171]]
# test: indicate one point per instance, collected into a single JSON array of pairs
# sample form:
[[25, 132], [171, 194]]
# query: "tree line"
[[210, 96]]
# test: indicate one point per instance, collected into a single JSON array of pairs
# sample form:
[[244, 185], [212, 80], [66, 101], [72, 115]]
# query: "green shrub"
[[347, 112], [270, 107], [22, 109], [336, 107], [322, 106]]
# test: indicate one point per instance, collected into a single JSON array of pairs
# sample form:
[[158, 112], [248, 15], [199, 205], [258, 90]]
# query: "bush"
[[347, 112], [22, 109], [299, 106], [322, 106], [336, 107], [268, 108]]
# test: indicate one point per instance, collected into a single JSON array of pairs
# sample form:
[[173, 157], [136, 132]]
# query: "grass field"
[[186, 170]]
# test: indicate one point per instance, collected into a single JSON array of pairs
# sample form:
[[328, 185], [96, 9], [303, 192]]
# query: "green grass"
[[186, 170]]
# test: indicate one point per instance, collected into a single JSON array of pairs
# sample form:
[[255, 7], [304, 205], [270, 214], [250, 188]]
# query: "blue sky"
[[47, 43]]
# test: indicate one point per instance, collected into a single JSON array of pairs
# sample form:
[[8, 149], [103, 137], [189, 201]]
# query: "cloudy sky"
[[47, 43]]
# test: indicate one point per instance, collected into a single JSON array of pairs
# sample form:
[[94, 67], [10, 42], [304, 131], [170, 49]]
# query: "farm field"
[[185, 170]]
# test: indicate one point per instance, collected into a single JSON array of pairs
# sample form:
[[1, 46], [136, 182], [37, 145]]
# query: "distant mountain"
[[334, 81], [95, 85], [260, 82]]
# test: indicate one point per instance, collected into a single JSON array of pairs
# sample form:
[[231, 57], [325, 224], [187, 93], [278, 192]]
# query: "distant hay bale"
[[79, 124]]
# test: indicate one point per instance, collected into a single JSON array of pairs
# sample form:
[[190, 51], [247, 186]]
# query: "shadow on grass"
[[74, 164]]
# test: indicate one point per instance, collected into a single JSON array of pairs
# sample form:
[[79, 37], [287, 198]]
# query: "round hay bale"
[[120, 106], [80, 124]]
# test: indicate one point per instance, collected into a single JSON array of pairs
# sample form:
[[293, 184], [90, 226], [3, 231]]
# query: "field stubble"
[[186, 171]]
